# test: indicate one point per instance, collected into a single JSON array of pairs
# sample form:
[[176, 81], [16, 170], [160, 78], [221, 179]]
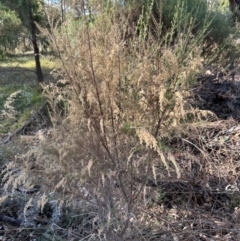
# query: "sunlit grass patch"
[[21, 69], [48, 62], [28, 61], [19, 61]]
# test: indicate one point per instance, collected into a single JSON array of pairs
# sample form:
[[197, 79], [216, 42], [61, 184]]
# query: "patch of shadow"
[[22, 75], [222, 97], [209, 194]]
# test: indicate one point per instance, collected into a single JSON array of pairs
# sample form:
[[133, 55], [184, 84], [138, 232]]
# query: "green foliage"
[[224, 4], [198, 18], [183, 10], [192, 20], [28, 12], [9, 28], [22, 8], [128, 129]]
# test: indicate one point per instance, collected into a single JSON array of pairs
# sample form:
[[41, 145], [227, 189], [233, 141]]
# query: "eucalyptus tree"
[[9, 29], [30, 11]]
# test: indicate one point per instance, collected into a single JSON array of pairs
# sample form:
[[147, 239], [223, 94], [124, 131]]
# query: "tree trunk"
[[62, 3], [33, 29]]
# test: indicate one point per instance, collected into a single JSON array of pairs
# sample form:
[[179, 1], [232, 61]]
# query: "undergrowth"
[[16, 104]]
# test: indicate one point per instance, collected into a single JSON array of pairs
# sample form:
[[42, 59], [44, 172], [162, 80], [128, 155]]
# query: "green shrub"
[[9, 28]]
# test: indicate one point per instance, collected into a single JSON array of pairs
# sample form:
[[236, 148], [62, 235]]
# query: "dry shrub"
[[122, 98]]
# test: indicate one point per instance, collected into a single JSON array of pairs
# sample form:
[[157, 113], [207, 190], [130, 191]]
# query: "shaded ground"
[[219, 94], [20, 69]]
